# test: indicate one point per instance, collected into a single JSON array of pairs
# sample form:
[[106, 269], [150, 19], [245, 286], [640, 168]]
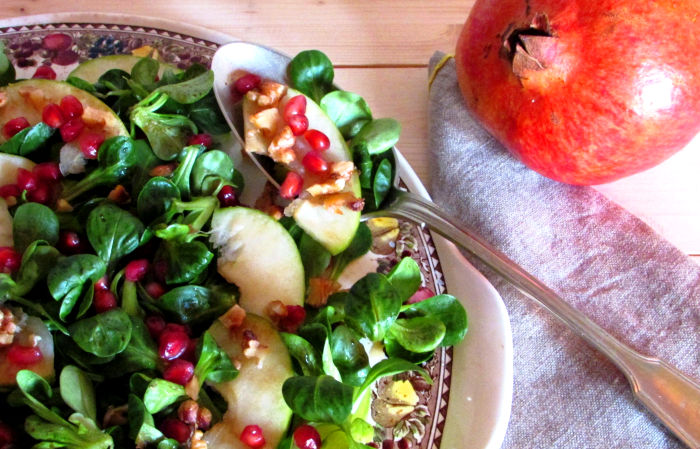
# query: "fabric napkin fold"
[[603, 260]]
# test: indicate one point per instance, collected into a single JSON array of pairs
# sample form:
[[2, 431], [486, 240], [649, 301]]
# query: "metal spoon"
[[673, 397]]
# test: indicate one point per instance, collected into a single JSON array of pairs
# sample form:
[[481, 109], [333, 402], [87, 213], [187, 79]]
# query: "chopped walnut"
[[34, 96], [234, 317], [204, 418], [192, 388], [8, 326], [281, 148], [338, 175], [266, 202], [197, 441], [115, 416], [63, 206], [252, 349], [276, 310], [93, 117], [267, 94], [187, 412], [163, 169], [319, 291], [3, 98], [266, 121], [119, 195]]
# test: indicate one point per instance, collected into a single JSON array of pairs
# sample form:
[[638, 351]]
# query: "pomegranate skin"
[[614, 88]]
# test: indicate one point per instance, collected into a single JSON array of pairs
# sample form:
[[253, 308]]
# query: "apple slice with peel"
[[254, 397], [44, 367], [333, 226], [258, 255], [92, 69]]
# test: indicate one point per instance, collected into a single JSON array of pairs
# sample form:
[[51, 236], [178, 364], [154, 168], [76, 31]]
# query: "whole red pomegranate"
[[584, 91]]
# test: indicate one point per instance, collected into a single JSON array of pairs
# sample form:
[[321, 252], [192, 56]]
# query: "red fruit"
[[314, 163], [102, 283], [317, 140], [172, 344], [9, 190], [200, 139], [57, 41], [26, 180], [175, 429], [42, 194], [421, 294], [136, 270], [14, 126], [307, 437], [252, 436], [69, 242], [294, 318], [295, 106], [71, 107], [52, 115], [298, 124], [190, 353], [24, 355], [227, 196], [585, 92], [155, 325], [291, 187], [245, 83], [179, 372], [90, 144], [104, 300], [44, 72], [155, 289], [72, 129], [10, 260], [47, 171]]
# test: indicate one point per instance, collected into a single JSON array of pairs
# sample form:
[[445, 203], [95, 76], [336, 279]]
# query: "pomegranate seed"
[[155, 289], [10, 260], [6, 435], [10, 190], [317, 140], [295, 106], [179, 372], [69, 242], [72, 129], [47, 171], [52, 115], [44, 72], [246, 82], [174, 327], [160, 270], [227, 196], [291, 187], [71, 107], [104, 300], [252, 436], [200, 139], [190, 353], [26, 180], [307, 437], [14, 126], [295, 316], [388, 444], [43, 194], [172, 344], [298, 124], [314, 163], [155, 325], [420, 295], [136, 270], [90, 144], [65, 57], [203, 418], [404, 444], [24, 355], [175, 429], [57, 41], [102, 283]]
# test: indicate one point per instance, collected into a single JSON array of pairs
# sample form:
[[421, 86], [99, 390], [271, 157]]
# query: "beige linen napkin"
[[603, 260]]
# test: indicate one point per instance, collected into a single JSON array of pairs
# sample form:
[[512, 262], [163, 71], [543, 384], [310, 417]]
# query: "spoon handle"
[[671, 396]]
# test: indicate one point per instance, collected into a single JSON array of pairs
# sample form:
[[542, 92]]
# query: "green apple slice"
[[5, 225], [44, 367], [258, 255], [333, 227], [28, 98], [254, 397], [92, 69]]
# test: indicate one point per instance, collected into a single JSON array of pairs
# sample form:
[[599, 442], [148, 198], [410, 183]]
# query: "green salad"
[[143, 305]]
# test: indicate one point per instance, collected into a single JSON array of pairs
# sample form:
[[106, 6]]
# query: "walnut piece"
[[281, 148], [8, 326], [339, 174], [197, 441], [267, 94], [234, 317], [266, 121]]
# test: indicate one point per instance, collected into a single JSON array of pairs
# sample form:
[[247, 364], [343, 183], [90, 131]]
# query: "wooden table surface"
[[381, 49]]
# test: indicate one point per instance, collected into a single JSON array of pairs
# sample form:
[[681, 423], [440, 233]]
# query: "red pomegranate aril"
[[47, 171], [10, 260], [307, 437], [174, 327], [9, 190], [317, 140], [71, 107], [42, 194], [295, 317], [172, 344], [72, 129], [52, 115], [155, 325], [160, 270], [200, 139], [175, 429], [7, 436], [26, 180], [90, 144], [155, 289], [314, 163], [104, 300], [136, 270], [102, 283], [69, 242], [44, 72], [14, 126], [246, 83], [295, 106], [24, 355], [57, 41], [227, 196], [252, 436], [291, 187], [179, 372], [190, 353], [298, 124]]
